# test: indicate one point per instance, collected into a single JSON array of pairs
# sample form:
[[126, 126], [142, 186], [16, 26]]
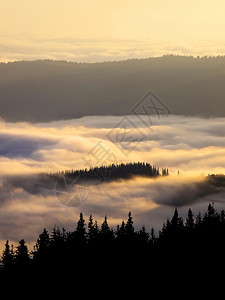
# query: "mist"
[[29, 202]]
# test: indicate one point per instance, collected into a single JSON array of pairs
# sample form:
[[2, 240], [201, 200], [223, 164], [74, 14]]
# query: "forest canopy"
[[95, 243]]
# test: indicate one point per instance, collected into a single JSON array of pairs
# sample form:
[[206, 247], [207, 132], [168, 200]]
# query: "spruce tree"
[[22, 255], [129, 228], [152, 236], [7, 256], [42, 245], [143, 236], [120, 231], [106, 233], [81, 233], [190, 221], [92, 230], [43, 241], [105, 227]]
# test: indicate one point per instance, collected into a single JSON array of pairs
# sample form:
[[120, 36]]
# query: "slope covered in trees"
[[55, 90], [194, 242], [113, 172]]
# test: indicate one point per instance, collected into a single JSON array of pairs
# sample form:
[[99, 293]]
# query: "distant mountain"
[[53, 90]]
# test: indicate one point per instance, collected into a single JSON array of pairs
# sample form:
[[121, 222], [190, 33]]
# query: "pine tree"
[[81, 233], [199, 220], [92, 230], [176, 221], [120, 231], [7, 256], [143, 236], [43, 241], [190, 221], [175, 218], [96, 229], [105, 227], [22, 255], [152, 235], [106, 233], [211, 213], [129, 228], [42, 245]]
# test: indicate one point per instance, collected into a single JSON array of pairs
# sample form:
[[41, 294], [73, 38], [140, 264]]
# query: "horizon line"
[[115, 61]]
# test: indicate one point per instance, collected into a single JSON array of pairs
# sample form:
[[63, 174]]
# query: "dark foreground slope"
[[184, 251]]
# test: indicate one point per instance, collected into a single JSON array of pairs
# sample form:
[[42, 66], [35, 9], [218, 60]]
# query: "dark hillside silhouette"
[[55, 90], [111, 172], [197, 241]]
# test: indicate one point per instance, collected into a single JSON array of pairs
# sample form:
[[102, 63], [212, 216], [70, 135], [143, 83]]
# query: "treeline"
[[194, 240], [113, 171]]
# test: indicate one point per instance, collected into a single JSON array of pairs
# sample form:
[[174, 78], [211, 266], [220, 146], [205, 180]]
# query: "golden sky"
[[110, 29]]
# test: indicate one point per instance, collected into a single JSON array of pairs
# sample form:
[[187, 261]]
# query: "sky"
[[104, 30], [192, 145], [96, 31]]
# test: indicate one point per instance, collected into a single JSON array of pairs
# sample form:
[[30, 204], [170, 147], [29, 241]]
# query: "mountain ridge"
[[45, 90]]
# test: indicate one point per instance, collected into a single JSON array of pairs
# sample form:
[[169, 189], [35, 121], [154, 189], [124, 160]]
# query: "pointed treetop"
[[129, 228]]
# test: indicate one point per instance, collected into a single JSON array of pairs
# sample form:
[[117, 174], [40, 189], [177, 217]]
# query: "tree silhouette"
[[93, 230], [22, 257], [129, 228], [110, 172], [190, 244], [190, 221], [79, 236], [81, 230], [142, 236], [43, 241], [41, 249], [176, 221], [152, 237], [106, 233], [8, 256], [120, 232]]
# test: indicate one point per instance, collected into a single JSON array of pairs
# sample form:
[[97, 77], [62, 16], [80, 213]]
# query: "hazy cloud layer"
[[176, 142], [98, 50], [28, 203]]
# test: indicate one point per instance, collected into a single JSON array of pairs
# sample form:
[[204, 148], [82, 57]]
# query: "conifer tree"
[[81, 233], [105, 227], [93, 230], [199, 219], [176, 221], [152, 235], [129, 228], [190, 221], [143, 235], [120, 231], [106, 233], [43, 241], [7, 256], [42, 245], [22, 255], [90, 228]]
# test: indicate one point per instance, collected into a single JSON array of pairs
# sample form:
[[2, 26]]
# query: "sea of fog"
[[190, 147]]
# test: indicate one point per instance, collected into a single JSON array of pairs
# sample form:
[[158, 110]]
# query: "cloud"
[[12, 145], [97, 50], [176, 142], [28, 202]]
